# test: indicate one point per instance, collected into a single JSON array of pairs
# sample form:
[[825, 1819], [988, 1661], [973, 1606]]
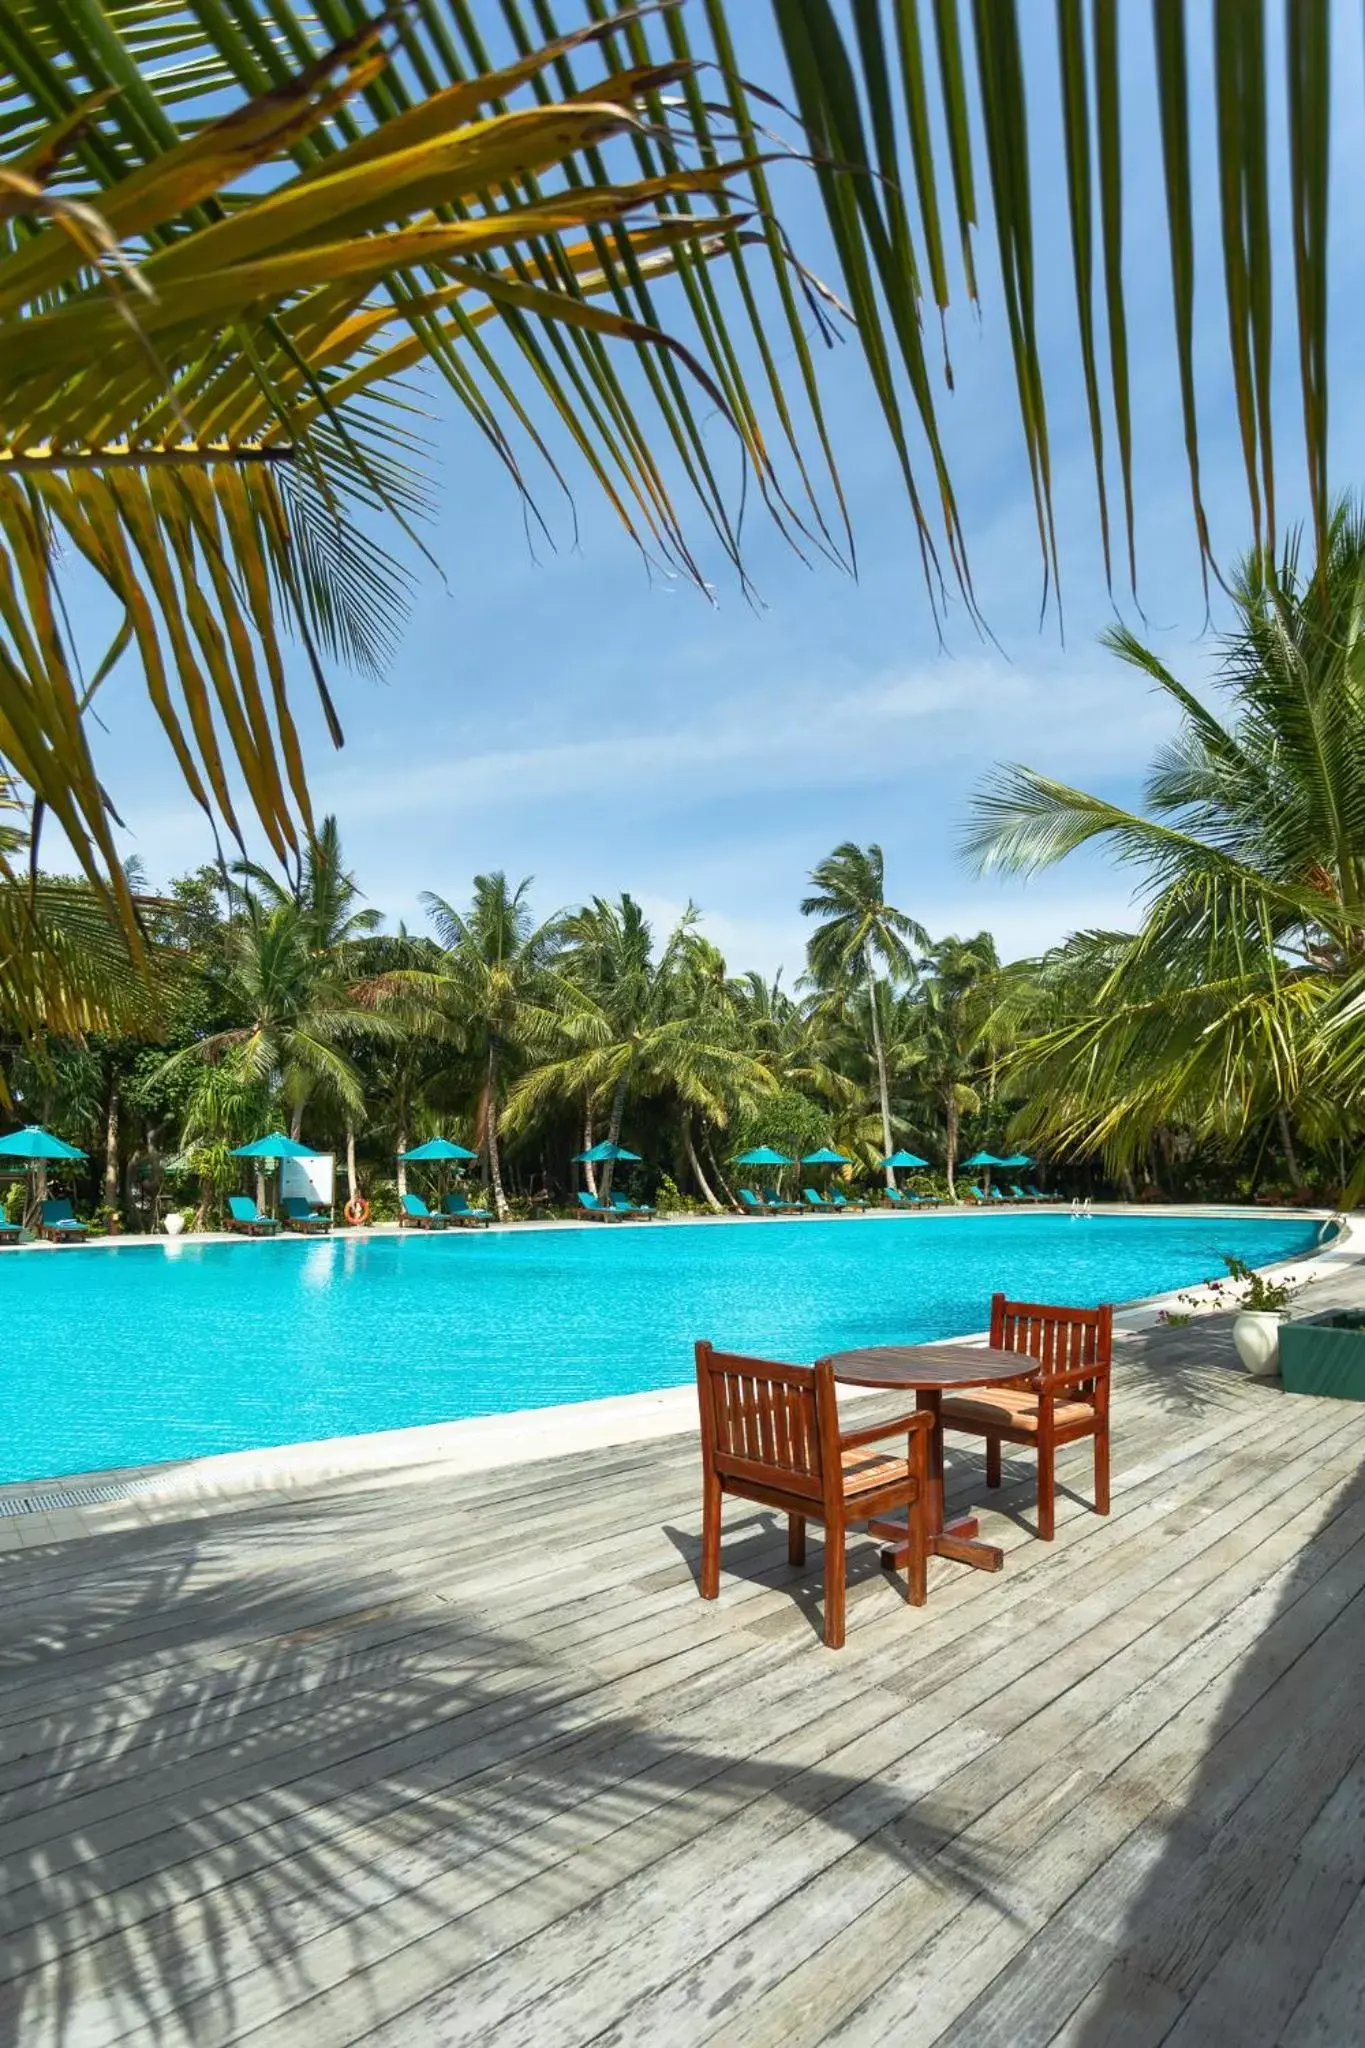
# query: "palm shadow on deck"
[[1245, 1921], [223, 1793]]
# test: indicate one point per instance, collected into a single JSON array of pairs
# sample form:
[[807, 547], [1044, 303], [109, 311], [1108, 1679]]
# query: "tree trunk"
[[1291, 1157], [882, 1090], [260, 1189], [132, 1219], [950, 1142], [618, 1110], [111, 1150], [352, 1189], [491, 1132], [401, 1135], [716, 1174], [589, 1170], [698, 1176], [156, 1178], [296, 1122]]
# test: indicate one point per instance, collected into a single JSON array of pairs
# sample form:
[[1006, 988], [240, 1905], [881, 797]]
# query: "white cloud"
[[813, 737]]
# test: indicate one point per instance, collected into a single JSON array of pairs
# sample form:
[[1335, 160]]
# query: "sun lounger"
[[59, 1222], [844, 1202], [593, 1205], [775, 1201], [244, 1216], [898, 1200], [10, 1233], [458, 1210], [415, 1215], [623, 1206], [1019, 1193], [1039, 1195], [751, 1203], [815, 1199], [975, 1193], [302, 1219]]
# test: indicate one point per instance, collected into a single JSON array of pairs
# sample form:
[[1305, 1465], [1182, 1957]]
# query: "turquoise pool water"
[[130, 1356]]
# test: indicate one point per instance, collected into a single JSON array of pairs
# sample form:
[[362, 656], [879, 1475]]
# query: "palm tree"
[[493, 968], [297, 1017], [956, 1000], [1239, 997], [858, 928], [328, 900], [216, 276], [326, 896], [625, 1021]]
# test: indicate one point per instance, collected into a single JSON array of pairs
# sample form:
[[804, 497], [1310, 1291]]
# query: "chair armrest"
[[919, 1419], [1080, 1376]]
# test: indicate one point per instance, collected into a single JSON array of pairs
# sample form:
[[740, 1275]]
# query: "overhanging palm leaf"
[[190, 366], [396, 200]]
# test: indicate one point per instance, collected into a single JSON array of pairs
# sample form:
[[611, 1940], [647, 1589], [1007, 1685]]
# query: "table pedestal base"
[[957, 1540]]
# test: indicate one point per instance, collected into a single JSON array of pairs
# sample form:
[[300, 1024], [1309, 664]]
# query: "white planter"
[[1256, 1333], [173, 1224]]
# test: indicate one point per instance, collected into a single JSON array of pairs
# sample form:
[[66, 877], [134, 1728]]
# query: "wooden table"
[[926, 1370]]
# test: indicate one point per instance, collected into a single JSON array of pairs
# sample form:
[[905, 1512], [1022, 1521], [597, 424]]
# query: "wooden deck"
[[468, 1761]]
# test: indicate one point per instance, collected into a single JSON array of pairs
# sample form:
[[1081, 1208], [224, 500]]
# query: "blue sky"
[[568, 717]]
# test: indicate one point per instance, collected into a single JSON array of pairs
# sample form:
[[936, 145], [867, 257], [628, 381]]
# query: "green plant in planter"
[[1261, 1296]]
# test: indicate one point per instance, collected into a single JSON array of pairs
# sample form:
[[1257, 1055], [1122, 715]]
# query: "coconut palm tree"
[[335, 927], [956, 999], [297, 1017], [1239, 997], [626, 1022], [326, 896], [857, 929], [494, 967]]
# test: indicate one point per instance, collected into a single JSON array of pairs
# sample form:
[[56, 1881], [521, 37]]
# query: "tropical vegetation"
[[531, 1039]]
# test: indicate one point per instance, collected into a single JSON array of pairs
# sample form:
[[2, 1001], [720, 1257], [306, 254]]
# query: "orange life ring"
[[357, 1210]]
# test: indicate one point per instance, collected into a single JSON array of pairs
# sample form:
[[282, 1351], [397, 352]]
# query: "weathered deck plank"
[[453, 1761]]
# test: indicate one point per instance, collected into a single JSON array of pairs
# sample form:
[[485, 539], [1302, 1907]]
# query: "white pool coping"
[[51, 1510]]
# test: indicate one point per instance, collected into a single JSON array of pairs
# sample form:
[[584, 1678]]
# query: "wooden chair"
[[1067, 1398], [770, 1433]]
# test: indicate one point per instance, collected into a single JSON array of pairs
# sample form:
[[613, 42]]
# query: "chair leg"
[[796, 1539], [992, 1461], [710, 1536], [835, 1574], [1047, 1492], [917, 1563], [1102, 1471]]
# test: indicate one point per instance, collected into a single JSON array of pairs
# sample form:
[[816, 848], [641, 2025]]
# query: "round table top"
[[927, 1366]]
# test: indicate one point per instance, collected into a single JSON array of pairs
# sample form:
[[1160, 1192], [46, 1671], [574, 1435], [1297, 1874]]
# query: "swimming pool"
[[131, 1355]]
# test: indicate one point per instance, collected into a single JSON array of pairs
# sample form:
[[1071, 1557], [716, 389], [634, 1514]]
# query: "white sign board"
[[312, 1179]]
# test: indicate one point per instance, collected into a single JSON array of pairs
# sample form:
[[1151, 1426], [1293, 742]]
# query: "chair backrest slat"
[[760, 1420], [1061, 1339]]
